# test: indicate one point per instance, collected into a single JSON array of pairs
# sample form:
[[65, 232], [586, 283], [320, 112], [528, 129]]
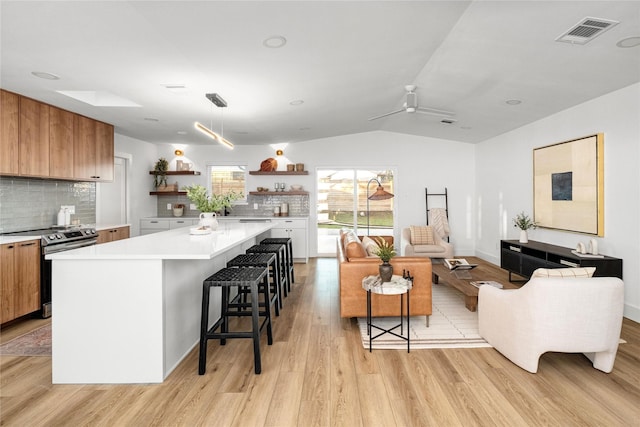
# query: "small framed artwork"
[[568, 181]]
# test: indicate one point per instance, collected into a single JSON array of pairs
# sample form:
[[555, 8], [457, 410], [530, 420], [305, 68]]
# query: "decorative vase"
[[208, 219], [523, 236], [178, 211], [386, 271]]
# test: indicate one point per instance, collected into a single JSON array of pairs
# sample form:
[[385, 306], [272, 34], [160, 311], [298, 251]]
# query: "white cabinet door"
[[296, 229], [183, 222], [149, 226]]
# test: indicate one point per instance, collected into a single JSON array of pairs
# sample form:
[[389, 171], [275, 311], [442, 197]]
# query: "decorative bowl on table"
[[197, 231], [296, 188]]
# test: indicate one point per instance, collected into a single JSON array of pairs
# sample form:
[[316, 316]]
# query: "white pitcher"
[[208, 219]]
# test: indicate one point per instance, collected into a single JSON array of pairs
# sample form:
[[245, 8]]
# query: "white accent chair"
[[441, 248], [569, 315]]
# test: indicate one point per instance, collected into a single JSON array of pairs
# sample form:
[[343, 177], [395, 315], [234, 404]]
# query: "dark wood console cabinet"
[[523, 258]]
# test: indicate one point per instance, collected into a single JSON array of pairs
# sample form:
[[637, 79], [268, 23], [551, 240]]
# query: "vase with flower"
[[385, 251], [524, 223], [209, 206]]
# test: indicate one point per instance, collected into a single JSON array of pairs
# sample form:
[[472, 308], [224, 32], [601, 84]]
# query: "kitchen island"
[[129, 311]]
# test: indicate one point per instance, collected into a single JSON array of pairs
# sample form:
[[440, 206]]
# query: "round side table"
[[397, 286]]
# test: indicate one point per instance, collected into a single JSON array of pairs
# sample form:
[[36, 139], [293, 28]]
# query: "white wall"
[[421, 162], [143, 156], [504, 183]]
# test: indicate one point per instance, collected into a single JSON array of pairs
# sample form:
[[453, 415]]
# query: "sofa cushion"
[[428, 249], [422, 235], [353, 247], [564, 272]]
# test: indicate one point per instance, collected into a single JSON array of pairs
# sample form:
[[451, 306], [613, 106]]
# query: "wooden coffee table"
[[484, 271]]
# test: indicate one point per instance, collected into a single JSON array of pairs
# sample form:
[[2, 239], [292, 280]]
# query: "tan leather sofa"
[[354, 265]]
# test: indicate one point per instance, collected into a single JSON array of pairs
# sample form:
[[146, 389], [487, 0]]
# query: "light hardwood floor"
[[316, 373]]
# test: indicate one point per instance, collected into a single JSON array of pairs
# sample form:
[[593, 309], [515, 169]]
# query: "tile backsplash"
[[28, 203], [298, 205]]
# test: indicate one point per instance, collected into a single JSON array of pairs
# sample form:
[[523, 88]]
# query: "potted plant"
[[385, 251], [210, 205], [524, 223], [159, 172]]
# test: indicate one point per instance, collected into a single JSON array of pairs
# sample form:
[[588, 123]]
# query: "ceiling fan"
[[411, 106]]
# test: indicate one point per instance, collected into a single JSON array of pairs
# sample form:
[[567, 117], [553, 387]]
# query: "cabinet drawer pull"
[[28, 244], [515, 249]]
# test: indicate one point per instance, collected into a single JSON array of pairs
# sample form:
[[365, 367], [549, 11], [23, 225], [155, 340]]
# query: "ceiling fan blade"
[[387, 114], [435, 112]]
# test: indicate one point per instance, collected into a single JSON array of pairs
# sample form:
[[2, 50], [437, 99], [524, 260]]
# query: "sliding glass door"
[[342, 202]]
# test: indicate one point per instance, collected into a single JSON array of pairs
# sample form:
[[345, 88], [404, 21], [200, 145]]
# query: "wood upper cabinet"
[[9, 132], [93, 150], [20, 274], [34, 138], [44, 141], [61, 137], [104, 151]]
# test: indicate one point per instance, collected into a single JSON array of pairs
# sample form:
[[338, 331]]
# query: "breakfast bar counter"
[[129, 311]]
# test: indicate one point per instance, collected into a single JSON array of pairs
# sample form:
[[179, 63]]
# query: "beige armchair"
[[439, 249], [570, 315]]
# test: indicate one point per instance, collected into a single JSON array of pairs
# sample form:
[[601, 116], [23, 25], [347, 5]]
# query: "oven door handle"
[[68, 246]]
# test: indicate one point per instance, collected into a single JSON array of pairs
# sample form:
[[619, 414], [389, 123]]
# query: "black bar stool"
[[261, 260], [241, 277], [288, 252], [279, 251]]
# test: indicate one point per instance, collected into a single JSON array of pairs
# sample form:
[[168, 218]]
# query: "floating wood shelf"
[[279, 173], [278, 193], [175, 173], [168, 193]]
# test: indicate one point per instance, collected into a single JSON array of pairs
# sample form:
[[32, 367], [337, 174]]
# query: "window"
[[342, 202], [226, 178]]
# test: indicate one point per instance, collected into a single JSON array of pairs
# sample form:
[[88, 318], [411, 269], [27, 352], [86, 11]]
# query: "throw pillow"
[[370, 245], [564, 272], [422, 235]]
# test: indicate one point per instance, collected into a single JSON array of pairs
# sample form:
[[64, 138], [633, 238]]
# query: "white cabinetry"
[[155, 225], [297, 230], [148, 226], [183, 222]]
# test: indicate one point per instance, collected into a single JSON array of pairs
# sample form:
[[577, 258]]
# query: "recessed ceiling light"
[[297, 102], [45, 75], [629, 42], [151, 119], [513, 101], [182, 132], [98, 98], [274, 42]]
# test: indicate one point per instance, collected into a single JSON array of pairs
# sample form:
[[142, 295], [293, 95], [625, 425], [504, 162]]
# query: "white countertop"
[[171, 244], [5, 240], [100, 227]]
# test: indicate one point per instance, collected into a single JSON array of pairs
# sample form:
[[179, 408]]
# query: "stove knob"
[[58, 236], [53, 236]]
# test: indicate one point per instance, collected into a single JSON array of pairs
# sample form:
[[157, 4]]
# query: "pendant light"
[[218, 101]]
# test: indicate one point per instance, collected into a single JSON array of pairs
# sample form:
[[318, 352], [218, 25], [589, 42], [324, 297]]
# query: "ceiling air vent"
[[586, 30]]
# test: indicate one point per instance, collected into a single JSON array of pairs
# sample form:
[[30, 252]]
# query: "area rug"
[[450, 326], [34, 343]]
